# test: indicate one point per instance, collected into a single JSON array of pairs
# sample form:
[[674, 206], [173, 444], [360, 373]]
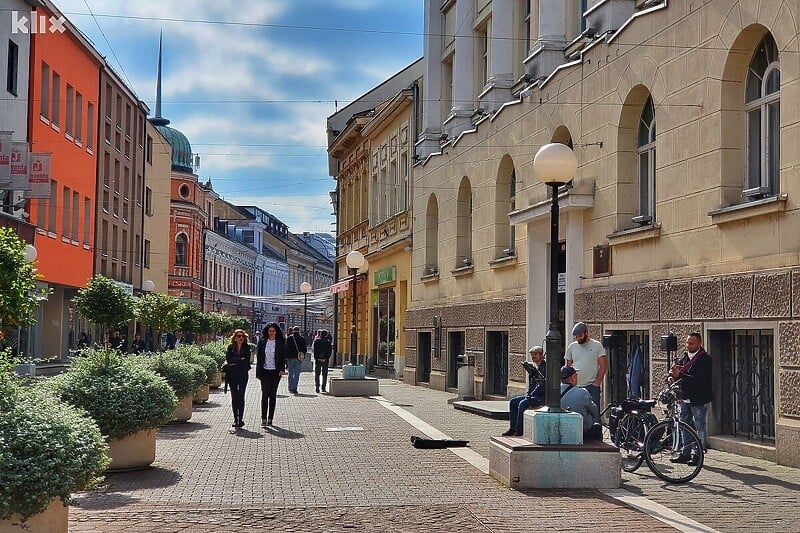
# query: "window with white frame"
[[762, 109], [483, 55], [181, 245], [646, 158]]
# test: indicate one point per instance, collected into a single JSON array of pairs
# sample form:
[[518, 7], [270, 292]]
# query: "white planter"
[[134, 452], [54, 519]]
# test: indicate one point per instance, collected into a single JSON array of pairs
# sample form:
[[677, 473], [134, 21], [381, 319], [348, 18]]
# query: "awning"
[[339, 287]]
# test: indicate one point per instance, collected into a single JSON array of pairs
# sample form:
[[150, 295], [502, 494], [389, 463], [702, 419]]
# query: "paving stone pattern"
[[298, 476]]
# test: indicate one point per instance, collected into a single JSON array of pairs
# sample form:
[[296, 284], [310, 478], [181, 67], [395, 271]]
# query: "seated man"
[[578, 400], [534, 396]]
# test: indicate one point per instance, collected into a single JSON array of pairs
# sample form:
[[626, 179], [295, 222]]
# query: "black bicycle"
[[628, 424], [672, 449]]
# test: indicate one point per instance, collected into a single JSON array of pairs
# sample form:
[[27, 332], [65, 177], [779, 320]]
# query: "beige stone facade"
[[682, 215]]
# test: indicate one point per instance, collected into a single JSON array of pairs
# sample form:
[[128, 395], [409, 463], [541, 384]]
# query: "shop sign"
[[385, 275]]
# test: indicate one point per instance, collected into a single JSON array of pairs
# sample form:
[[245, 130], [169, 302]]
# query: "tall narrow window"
[[51, 217], [646, 154], [90, 126], [87, 220], [431, 237], [76, 212], [181, 245], [70, 115], [12, 72], [66, 216], [762, 106], [464, 224], [55, 116], [78, 117], [483, 42], [526, 30], [147, 253], [44, 102]]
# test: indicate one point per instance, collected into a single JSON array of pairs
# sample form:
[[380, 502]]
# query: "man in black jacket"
[[322, 356], [295, 345], [694, 369]]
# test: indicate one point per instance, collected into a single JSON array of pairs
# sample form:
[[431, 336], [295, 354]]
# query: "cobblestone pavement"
[[346, 464]]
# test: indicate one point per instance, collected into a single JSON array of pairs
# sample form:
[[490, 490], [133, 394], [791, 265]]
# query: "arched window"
[[505, 202], [181, 247], [763, 110], [464, 224], [646, 158], [431, 237]]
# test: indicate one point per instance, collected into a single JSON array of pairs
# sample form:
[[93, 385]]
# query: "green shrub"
[[216, 350], [48, 449], [184, 377], [121, 395], [208, 364]]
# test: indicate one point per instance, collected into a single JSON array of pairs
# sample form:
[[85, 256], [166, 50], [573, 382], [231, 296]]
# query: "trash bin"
[[465, 375]]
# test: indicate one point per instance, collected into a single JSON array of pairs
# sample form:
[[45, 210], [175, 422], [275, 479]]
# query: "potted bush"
[[182, 376], [216, 351], [48, 450], [104, 302], [127, 401]]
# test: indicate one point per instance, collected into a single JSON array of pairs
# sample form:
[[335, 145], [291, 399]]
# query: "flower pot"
[[183, 412], [201, 396], [217, 382], [54, 519], [134, 452]]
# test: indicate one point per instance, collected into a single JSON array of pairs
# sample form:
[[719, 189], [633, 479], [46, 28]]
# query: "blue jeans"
[[594, 392], [516, 410], [696, 415], [293, 365]]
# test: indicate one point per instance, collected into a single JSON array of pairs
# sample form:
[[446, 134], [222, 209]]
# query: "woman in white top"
[[270, 366]]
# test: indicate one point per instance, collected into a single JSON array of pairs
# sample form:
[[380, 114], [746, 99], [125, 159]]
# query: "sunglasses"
[[238, 336]]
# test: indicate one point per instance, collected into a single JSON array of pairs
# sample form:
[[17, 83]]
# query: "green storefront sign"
[[385, 276]]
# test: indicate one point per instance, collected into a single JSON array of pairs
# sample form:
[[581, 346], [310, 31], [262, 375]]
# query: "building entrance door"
[[424, 357], [455, 347], [497, 362]]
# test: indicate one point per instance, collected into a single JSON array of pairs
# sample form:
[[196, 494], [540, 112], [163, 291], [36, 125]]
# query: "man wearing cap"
[[590, 356], [535, 395], [578, 400]]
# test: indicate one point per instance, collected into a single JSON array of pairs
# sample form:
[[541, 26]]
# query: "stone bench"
[[520, 464]]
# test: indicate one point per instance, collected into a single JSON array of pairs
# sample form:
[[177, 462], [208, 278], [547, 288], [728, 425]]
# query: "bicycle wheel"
[[668, 456], [629, 439]]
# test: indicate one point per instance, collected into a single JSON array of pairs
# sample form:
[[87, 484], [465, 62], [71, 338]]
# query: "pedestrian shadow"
[[94, 501], [205, 405], [750, 480], [183, 430], [304, 395], [281, 395], [247, 434], [283, 433]]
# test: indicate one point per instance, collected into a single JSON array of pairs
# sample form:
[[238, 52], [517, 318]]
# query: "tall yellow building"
[[372, 152], [682, 215]]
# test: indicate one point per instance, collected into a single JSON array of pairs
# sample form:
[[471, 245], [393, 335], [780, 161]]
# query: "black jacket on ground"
[[697, 380]]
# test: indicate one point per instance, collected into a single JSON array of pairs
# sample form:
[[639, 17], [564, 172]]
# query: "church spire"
[[158, 120]]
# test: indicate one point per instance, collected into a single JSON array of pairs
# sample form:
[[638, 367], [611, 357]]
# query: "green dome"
[[181, 149]]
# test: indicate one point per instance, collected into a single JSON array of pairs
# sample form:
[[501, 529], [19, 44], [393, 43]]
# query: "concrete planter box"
[[202, 395], [217, 381], [183, 412], [134, 452], [54, 519]]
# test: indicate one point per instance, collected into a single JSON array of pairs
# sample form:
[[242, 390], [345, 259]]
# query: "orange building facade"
[[63, 109]]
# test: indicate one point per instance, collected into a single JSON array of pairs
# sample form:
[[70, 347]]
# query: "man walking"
[[589, 356], [694, 371], [295, 353]]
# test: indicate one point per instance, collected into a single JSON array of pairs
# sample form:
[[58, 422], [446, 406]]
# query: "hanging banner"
[[5, 158], [339, 287], [39, 175], [19, 166]]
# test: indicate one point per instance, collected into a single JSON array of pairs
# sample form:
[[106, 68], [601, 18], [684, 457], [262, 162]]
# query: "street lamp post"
[[355, 261], [554, 164], [305, 288]]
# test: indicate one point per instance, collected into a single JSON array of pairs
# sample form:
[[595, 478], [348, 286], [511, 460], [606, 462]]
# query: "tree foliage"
[[18, 295], [104, 302]]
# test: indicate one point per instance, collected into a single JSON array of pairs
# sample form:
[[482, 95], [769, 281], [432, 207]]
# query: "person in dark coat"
[[138, 345], [322, 355], [534, 397], [270, 367], [237, 367], [694, 369], [295, 345]]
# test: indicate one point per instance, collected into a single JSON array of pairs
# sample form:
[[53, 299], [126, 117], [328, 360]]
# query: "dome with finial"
[[181, 148]]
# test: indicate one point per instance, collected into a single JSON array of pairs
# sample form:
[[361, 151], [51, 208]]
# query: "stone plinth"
[[353, 387], [520, 464], [545, 428]]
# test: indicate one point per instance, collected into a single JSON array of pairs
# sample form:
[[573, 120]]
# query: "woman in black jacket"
[[237, 368], [270, 366]]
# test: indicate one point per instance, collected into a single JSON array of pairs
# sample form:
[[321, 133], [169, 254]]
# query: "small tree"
[[159, 312], [104, 302], [18, 295]]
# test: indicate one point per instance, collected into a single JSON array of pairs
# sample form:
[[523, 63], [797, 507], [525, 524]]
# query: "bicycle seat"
[[633, 405]]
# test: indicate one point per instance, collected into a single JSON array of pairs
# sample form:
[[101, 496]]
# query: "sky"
[[251, 83]]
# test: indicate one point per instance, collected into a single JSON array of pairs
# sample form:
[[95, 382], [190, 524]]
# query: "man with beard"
[[589, 356]]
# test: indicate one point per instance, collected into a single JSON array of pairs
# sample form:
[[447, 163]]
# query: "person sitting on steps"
[[578, 400]]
